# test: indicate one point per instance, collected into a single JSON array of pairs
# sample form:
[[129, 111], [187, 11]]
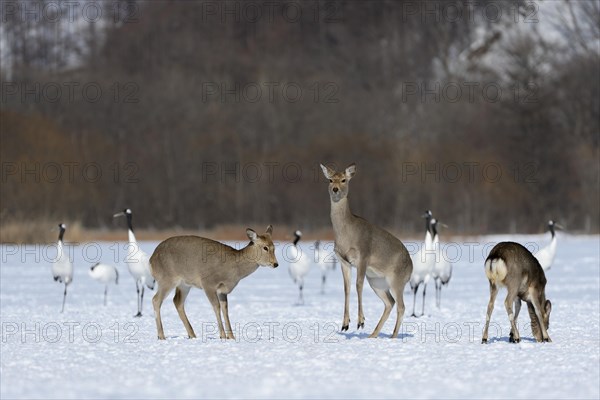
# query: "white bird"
[[546, 255], [299, 265], [106, 274], [62, 268], [442, 269], [137, 261], [423, 264], [324, 262]]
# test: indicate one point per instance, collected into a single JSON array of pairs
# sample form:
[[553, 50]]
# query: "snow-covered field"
[[283, 350]]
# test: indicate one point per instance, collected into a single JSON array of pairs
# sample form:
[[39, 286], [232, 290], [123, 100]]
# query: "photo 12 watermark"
[[69, 92], [470, 11], [70, 11], [69, 172], [69, 332], [430, 92], [269, 92], [469, 252]]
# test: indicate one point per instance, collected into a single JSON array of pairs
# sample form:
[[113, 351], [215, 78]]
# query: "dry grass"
[[46, 230], [37, 231]]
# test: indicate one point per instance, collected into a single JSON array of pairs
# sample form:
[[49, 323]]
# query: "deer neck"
[[340, 215], [245, 260]]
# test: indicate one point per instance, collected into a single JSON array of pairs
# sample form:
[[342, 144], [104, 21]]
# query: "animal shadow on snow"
[[365, 335], [506, 339]]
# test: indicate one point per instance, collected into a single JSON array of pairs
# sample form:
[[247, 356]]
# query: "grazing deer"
[[375, 253], [184, 261], [511, 265]]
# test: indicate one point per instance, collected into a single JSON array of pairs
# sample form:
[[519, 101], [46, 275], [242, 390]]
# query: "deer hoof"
[[344, 328], [513, 339], [484, 341], [360, 325]]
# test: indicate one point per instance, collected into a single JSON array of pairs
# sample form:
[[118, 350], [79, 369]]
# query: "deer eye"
[[331, 181], [265, 248], [343, 181]]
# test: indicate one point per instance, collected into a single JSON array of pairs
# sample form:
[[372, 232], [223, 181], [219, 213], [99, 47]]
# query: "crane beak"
[[119, 214], [559, 226], [444, 225]]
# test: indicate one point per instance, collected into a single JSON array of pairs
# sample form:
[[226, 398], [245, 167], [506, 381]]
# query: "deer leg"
[[179, 300], [535, 323], [157, 301], [538, 312], [508, 304], [225, 309], [490, 309], [214, 301], [388, 302], [438, 292], [347, 274], [398, 295], [517, 311], [360, 281]]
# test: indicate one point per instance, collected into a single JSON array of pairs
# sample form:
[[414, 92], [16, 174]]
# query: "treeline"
[[196, 114]]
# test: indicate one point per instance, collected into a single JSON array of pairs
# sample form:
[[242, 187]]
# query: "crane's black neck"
[[433, 230], [428, 226], [61, 234], [129, 224], [551, 228], [296, 240]]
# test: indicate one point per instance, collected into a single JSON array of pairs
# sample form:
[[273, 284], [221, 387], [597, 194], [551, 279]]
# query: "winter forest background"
[[199, 114]]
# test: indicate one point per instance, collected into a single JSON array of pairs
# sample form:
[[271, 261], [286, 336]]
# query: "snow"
[[287, 351]]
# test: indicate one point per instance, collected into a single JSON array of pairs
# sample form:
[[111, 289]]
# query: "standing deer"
[[511, 265], [374, 252], [184, 261]]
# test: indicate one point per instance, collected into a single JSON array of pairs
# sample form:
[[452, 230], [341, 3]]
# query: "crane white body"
[[105, 274], [546, 255], [422, 266], [324, 264], [138, 262], [62, 268], [299, 267], [442, 268]]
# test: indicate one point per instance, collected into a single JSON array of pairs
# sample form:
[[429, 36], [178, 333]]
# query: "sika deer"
[[511, 265], [184, 261], [375, 253]]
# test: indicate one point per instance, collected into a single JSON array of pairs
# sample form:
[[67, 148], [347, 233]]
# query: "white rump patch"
[[496, 271]]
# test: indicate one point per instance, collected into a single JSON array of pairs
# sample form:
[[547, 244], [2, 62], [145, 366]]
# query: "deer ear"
[[548, 307], [350, 171], [328, 172], [251, 234], [269, 230]]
